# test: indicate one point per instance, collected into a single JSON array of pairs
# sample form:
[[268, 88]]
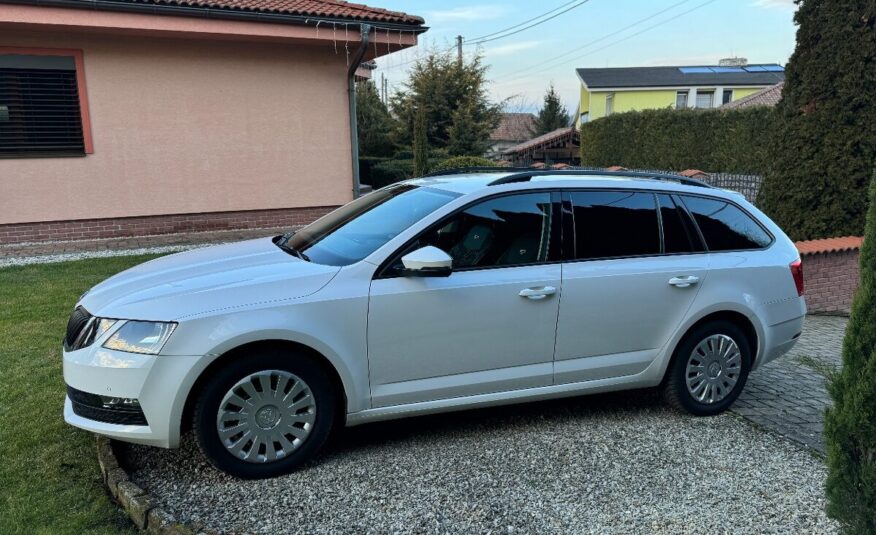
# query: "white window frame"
[[686, 95], [701, 94]]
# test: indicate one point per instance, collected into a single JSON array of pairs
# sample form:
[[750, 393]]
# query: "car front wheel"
[[709, 369], [264, 414]]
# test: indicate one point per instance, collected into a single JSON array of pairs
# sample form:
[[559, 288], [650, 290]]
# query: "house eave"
[[215, 13]]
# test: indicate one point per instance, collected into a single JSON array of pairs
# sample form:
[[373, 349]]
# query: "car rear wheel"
[[264, 414], [709, 369]]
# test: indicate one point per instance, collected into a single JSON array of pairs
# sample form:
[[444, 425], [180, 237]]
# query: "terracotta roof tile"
[[514, 127], [694, 173], [313, 8], [768, 96], [556, 135], [829, 245]]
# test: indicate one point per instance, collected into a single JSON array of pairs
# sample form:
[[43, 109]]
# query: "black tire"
[[675, 390], [259, 360]]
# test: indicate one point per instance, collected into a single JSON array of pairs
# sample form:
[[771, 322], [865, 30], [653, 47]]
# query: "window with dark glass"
[[512, 230], [724, 226], [614, 224], [39, 106], [679, 235]]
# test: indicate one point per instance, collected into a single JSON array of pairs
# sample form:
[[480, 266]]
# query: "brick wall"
[[830, 279], [165, 224]]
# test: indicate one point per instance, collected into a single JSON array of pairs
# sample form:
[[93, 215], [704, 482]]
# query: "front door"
[[489, 326], [633, 276]]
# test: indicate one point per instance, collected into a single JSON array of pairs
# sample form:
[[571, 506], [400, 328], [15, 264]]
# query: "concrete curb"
[[139, 505]]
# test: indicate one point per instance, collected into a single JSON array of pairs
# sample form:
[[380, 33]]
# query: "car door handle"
[[684, 281], [537, 293]]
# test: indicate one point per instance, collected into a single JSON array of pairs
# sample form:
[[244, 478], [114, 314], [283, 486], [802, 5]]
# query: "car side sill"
[[641, 380]]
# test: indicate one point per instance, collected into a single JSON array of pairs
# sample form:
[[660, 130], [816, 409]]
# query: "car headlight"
[[146, 337]]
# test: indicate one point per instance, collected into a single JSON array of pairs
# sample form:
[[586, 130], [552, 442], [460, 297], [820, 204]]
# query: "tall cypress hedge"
[[850, 425], [825, 139], [728, 141]]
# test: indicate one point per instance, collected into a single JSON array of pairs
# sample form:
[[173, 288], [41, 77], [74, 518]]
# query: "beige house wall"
[[191, 125]]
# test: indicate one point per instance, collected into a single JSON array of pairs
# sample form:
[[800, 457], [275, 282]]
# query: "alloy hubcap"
[[266, 416], [713, 369]]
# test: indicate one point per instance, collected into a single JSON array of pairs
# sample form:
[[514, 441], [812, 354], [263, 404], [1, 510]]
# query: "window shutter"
[[39, 108]]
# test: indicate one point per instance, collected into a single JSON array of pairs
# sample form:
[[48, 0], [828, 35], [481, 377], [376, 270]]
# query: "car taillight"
[[797, 272]]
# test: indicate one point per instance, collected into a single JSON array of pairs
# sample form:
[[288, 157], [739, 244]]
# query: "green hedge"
[[463, 161], [728, 141]]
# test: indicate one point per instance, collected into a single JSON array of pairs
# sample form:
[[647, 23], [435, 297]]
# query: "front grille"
[[91, 406], [80, 329]]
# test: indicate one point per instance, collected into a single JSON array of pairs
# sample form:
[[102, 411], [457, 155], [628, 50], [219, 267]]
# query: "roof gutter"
[[213, 13], [351, 89]]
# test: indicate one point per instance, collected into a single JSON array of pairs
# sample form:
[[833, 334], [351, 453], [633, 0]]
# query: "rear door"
[[634, 266]]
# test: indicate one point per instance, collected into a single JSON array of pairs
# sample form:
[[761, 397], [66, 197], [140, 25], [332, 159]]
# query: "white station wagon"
[[436, 294]]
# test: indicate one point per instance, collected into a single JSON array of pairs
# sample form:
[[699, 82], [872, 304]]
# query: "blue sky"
[[599, 33]]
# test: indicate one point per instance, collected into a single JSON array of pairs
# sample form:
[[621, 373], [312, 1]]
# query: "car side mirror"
[[427, 261]]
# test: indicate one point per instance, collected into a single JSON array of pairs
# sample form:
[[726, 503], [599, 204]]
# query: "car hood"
[[205, 280]]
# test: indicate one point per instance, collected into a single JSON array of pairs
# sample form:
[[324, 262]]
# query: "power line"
[[649, 28], [534, 24], [599, 40], [527, 21], [482, 39]]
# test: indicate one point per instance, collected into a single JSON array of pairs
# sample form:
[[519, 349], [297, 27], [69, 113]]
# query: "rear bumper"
[[782, 335]]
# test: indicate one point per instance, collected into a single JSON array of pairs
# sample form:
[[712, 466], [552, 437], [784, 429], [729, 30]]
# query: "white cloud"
[[781, 4], [466, 14], [511, 48]]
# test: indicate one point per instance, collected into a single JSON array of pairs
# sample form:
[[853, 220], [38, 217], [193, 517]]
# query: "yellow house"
[[612, 90]]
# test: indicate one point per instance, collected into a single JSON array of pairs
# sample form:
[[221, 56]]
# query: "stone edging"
[[139, 505]]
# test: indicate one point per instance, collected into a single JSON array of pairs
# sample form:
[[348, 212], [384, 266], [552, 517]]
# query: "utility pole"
[[382, 88], [459, 48]]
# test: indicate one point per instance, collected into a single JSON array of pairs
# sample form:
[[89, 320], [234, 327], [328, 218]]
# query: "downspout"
[[351, 88]]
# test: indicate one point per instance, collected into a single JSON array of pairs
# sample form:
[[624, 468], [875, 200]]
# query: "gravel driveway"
[[618, 463]]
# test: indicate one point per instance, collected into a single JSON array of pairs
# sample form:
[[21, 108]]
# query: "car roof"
[[470, 183]]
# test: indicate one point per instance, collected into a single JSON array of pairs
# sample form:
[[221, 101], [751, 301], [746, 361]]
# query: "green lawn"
[[49, 478]]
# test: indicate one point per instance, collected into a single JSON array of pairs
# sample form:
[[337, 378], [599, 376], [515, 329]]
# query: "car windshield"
[[359, 228]]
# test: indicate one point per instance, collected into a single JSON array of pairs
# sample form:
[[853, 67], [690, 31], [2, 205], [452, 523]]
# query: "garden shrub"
[[728, 141], [850, 425], [463, 161], [825, 134], [392, 171]]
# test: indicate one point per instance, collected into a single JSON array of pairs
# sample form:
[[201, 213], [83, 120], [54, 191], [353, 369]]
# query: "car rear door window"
[[724, 226], [610, 224], [679, 234], [511, 230]]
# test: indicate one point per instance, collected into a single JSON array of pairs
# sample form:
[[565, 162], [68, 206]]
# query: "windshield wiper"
[[283, 243]]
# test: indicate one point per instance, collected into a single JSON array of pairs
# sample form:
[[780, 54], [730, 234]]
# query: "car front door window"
[[512, 230]]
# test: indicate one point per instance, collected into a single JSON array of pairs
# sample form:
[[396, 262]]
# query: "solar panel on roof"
[[755, 68], [727, 69], [695, 70], [773, 68]]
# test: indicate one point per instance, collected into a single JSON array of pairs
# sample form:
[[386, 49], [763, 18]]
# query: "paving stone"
[[789, 397]]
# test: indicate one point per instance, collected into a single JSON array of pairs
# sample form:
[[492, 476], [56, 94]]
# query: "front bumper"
[[160, 383]]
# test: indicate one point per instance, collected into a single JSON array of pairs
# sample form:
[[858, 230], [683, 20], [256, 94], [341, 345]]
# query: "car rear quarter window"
[[724, 226], [610, 224], [679, 234]]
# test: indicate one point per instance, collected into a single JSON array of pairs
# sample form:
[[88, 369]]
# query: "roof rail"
[[526, 176], [479, 169]]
